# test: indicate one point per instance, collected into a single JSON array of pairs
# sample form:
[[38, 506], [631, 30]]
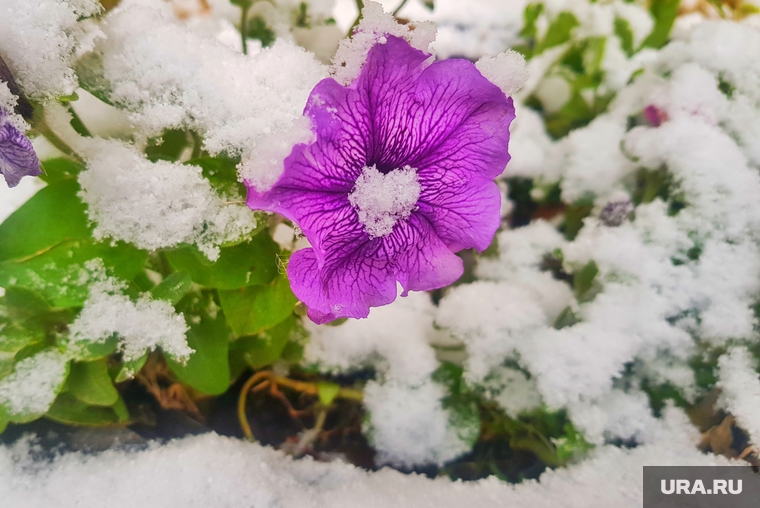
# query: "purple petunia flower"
[[17, 157], [399, 178]]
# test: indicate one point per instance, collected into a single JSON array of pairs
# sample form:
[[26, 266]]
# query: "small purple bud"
[[615, 213], [17, 157], [655, 115]]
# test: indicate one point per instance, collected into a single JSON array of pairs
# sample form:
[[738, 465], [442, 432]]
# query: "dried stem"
[[274, 380]]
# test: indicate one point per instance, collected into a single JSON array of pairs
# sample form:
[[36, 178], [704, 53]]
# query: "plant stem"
[[360, 6], [300, 386], [244, 26], [401, 6]]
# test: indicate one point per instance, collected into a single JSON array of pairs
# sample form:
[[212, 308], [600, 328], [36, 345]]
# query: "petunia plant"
[[221, 235], [399, 179]]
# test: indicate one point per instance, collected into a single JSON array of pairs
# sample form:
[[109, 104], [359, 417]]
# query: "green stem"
[[39, 124], [360, 6], [401, 6], [197, 150], [244, 26]]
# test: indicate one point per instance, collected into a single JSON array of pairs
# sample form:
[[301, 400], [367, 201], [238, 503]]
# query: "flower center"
[[381, 200]]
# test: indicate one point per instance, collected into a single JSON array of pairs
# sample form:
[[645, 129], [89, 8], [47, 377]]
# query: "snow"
[[155, 205], [249, 106], [594, 164], [507, 70], [470, 28], [381, 200], [511, 390], [740, 389], [33, 385], [8, 103], [374, 26], [140, 325], [396, 410], [38, 41], [394, 340], [490, 319], [211, 470]]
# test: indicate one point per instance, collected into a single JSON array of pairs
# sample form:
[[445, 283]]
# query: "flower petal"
[[464, 213], [364, 275], [422, 114], [17, 157], [347, 287], [426, 262]]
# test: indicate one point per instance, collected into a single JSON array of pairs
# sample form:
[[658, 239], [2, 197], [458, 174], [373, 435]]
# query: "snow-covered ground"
[[210, 470]]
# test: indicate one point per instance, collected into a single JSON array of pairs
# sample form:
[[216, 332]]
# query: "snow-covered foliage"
[[620, 293]]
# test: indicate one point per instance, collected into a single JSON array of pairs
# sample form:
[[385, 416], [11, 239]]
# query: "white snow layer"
[[249, 106], [34, 383], [740, 389], [507, 70], [38, 41], [155, 205], [211, 470], [140, 326]]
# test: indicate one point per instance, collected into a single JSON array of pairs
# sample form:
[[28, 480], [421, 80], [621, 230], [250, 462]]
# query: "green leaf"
[[173, 288], [169, 147], [130, 368], [572, 445], [574, 216], [258, 29], [593, 55], [72, 97], [254, 309], [55, 170], [583, 280], [59, 273], [247, 264], [327, 392], [89, 351], [70, 410], [222, 173], [664, 13], [464, 413], [49, 217], [268, 346], [530, 30], [625, 34], [14, 337], [54, 385], [208, 369], [6, 363], [90, 383], [4, 420], [121, 411], [559, 31], [25, 303]]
